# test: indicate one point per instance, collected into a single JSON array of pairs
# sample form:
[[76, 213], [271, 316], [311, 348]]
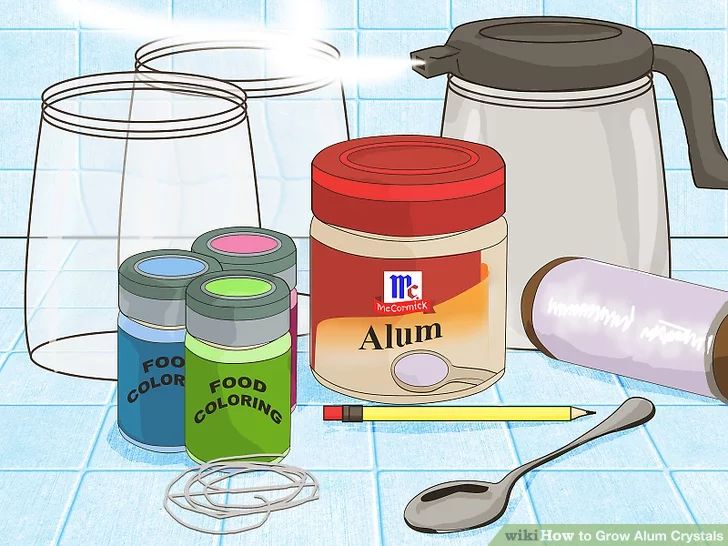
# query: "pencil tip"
[[589, 412]]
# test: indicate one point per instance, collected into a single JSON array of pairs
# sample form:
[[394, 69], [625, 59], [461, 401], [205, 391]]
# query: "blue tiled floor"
[[532, 374], [606, 497], [25, 383], [141, 521], [34, 519], [11, 327], [691, 437], [664, 395], [48, 437], [705, 494], [60, 441], [443, 446], [315, 445], [112, 452], [345, 515]]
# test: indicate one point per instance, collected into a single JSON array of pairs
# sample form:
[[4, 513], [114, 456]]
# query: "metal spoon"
[[462, 505]]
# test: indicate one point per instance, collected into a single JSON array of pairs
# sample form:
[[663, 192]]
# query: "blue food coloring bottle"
[[151, 350]]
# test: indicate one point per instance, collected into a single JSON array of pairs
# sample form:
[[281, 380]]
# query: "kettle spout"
[[435, 61]]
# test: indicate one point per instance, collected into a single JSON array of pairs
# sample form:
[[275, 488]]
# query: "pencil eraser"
[[333, 413]]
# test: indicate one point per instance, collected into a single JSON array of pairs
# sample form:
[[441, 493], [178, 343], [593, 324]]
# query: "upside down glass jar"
[[408, 268]]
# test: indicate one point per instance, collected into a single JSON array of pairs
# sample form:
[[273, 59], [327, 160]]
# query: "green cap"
[[238, 308]]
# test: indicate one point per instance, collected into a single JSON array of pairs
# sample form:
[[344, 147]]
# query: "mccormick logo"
[[402, 286], [402, 294]]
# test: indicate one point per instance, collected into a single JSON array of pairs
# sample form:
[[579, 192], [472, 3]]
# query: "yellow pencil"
[[353, 414]]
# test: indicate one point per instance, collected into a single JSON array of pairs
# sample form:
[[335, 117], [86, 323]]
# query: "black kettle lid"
[[540, 54]]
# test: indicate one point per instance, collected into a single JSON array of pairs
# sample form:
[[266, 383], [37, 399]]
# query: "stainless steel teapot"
[[570, 105]]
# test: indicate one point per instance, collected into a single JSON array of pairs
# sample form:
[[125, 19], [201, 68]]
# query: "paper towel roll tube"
[[626, 322]]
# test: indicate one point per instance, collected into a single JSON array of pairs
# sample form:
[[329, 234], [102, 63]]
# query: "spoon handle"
[[632, 413]]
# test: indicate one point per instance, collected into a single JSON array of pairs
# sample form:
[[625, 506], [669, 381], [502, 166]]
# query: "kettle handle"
[[690, 82]]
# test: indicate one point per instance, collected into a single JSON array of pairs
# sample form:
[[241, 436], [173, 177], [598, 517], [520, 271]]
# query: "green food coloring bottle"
[[238, 366]]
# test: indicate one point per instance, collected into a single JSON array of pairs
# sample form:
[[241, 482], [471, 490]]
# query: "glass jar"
[[408, 268], [125, 162], [151, 336]]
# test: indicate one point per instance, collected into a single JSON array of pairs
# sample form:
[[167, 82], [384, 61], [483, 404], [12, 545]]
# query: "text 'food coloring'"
[[151, 332], [238, 366]]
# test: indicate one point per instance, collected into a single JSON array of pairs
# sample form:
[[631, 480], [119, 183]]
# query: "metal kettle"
[[570, 105]]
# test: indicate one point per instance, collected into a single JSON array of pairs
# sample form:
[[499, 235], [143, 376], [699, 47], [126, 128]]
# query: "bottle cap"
[[152, 284], [238, 308], [251, 249], [408, 185]]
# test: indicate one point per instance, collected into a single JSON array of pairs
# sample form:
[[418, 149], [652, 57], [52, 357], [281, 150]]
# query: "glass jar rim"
[[231, 112], [279, 86]]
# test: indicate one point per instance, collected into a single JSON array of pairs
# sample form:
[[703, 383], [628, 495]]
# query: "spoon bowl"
[[436, 507]]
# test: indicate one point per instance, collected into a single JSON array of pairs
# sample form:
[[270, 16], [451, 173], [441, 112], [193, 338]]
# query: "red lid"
[[408, 185]]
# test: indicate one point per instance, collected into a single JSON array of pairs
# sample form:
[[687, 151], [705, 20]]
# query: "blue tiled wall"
[[41, 44]]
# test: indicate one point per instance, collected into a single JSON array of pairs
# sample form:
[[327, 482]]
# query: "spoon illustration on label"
[[428, 371], [467, 504]]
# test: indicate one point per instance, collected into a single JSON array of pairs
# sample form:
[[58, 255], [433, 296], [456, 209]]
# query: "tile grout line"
[[21, 30], [725, 118], [357, 87], [357, 90], [4, 359], [79, 38], [519, 461], [377, 489], [392, 29], [667, 472], [23, 332], [113, 400], [219, 540], [82, 476], [683, 29], [509, 432]]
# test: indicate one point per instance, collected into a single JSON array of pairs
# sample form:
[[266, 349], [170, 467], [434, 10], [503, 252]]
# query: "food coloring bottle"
[[262, 250], [151, 332], [238, 366]]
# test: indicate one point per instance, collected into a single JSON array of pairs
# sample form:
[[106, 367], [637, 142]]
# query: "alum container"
[[408, 268]]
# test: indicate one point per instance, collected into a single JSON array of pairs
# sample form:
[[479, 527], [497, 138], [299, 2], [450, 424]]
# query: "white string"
[[202, 486]]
